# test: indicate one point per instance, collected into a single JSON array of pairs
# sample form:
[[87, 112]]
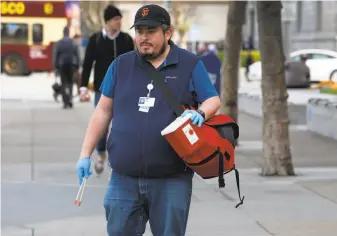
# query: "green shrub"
[[328, 90], [243, 55]]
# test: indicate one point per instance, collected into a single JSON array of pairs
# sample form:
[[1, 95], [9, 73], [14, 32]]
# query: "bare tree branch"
[[93, 14], [182, 18]]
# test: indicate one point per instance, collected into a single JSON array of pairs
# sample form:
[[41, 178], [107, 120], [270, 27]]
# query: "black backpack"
[[67, 51]]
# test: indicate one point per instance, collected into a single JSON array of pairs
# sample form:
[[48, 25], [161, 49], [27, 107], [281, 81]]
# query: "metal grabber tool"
[[79, 196]]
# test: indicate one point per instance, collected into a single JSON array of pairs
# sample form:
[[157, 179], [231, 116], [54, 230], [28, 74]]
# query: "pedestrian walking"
[[149, 181], [66, 59], [248, 62], [103, 47]]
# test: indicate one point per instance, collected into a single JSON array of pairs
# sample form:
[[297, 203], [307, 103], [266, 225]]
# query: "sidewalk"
[[35, 87], [276, 206], [39, 197]]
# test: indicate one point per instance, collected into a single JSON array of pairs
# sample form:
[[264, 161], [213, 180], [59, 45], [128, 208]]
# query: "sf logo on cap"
[[145, 12]]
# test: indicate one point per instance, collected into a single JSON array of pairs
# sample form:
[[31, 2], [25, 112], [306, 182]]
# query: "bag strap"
[[98, 37], [237, 177], [221, 177], [221, 180], [158, 80]]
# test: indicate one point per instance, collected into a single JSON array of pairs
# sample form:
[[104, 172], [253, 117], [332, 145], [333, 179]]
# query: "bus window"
[[13, 33], [37, 34]]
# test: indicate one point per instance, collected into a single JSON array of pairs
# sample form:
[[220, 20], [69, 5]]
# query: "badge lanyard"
[[145, 103], [149, 87]]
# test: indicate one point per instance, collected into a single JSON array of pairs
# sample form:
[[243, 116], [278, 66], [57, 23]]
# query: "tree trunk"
[[276, 144], [230, 66]]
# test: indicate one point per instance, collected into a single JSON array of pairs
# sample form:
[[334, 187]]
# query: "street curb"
[[252, 105]]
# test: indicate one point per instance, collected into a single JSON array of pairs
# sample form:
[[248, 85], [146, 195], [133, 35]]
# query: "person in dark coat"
[[66, 60]]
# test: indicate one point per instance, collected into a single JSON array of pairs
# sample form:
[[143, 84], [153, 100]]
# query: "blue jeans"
[[130, 202], [101, 145]]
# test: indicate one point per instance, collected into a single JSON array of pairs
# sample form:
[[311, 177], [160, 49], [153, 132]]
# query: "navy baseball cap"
[[152, 16]]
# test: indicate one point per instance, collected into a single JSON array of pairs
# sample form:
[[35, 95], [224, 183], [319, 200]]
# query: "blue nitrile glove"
[[196, 117], [83, 168]]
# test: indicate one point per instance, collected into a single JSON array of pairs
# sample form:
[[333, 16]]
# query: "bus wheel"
[[27, 73], [14, 64]]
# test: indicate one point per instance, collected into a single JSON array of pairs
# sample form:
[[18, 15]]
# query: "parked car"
[[322, 64]]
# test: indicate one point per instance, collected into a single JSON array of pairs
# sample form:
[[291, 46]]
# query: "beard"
[[153, 55]]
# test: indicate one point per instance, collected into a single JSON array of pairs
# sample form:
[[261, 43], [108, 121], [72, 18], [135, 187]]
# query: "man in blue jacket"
[[149, 182]]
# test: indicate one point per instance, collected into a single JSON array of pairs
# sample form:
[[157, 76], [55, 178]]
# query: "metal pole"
[[286, 38], [287, 19], [251, 17]]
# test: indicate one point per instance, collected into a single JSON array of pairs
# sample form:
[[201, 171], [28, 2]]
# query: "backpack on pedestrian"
[[67, 50]]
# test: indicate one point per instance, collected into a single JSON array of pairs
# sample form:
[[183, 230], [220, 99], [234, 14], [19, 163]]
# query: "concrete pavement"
[[40, 146], [296, 96], [36, 86]]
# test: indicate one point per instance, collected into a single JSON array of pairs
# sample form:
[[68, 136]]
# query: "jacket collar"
[[106, 35]]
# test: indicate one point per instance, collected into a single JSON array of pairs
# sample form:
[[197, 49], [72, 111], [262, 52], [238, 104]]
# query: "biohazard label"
[[190, 134]]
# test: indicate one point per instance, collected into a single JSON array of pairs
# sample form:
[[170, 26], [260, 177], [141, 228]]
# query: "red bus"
[[29, 30]]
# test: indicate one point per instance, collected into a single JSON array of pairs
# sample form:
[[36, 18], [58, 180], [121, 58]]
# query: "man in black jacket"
[[103, 47]]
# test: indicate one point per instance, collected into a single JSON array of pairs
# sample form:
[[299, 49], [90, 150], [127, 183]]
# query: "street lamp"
[[251, 9]]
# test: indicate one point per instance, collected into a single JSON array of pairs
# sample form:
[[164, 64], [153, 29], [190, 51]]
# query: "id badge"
[[144, 109], [141, 101], [146, 101], [149, 102]]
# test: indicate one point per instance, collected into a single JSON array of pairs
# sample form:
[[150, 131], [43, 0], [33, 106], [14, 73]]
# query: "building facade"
[[306, 24]]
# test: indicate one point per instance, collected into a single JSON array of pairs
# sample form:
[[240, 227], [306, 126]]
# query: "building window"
[[318, 15], [13, 33], [299, 10], [37, 33]]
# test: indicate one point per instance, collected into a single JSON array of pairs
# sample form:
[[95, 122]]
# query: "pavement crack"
[[228, 197], [317, 193], [28, 228], [264, 228]]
